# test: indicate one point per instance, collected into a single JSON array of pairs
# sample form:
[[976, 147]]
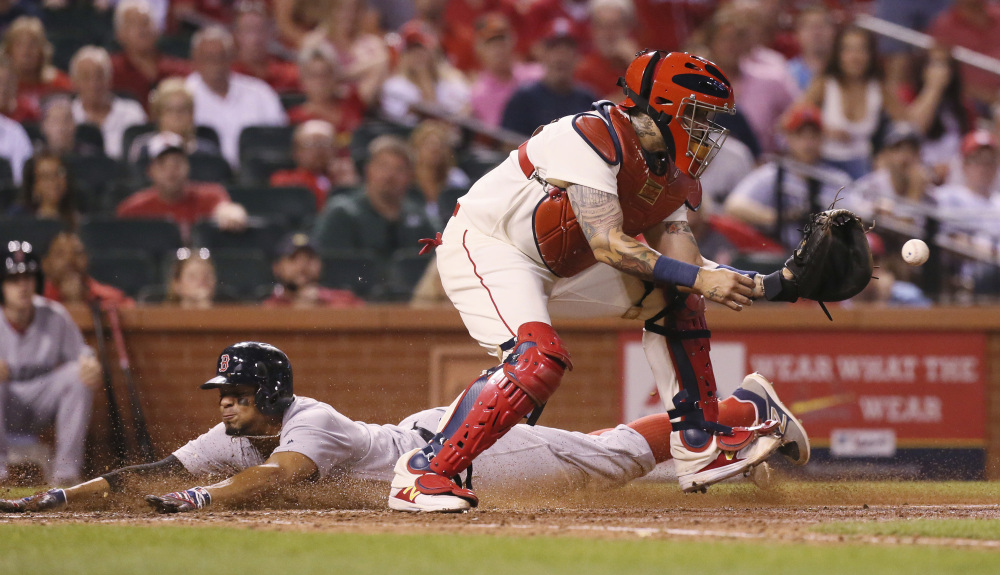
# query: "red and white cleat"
[[423, 491]]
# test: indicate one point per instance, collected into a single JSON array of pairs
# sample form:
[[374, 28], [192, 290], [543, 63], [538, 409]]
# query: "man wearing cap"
[[556, 94], [47, 373], [175, 197], [777, 197], [297, 271], [899, 175]]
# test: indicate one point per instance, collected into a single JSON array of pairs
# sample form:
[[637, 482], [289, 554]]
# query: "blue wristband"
[[750, 274], [671, 271]]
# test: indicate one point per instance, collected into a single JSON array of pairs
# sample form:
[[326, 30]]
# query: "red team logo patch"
[[224, 362]]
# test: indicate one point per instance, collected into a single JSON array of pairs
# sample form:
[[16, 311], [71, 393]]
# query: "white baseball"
[[915, 252]]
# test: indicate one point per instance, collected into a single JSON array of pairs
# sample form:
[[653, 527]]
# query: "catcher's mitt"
[[833, 262]]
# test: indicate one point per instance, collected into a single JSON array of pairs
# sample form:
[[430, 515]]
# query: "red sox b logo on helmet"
[[224, 363]]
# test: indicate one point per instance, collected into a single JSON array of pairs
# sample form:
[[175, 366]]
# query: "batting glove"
[[180, 501], [47, 501]]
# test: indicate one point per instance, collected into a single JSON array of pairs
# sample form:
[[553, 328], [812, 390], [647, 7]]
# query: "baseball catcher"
[[269, 437], [555, 231]]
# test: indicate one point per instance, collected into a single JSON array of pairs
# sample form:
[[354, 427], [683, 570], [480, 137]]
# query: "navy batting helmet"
[[20, 258], [261, 365]]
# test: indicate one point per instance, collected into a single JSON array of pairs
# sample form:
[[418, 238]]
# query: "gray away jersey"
[[50, 341]]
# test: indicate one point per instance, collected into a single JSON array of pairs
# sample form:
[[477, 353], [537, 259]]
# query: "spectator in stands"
[[253, 34], [192, 280], [30, 52], [15, 145], [13, 105], [735, 162], [363, 57], [712, 244], [95, 104], [328, 96], [320, 164], [201, 13], [297, 269], [455, 39], [941, 112], [47, 372], [972, 24], [379, 218], [815, 31], [436, 177], [140, 66], [225, 100], [172, 108], [423, 77], [762, 95], [46, 193], [67, 280], [59, 129], [777, 197], [899, 177], [556, 94], [173, 196], [613, 47], [913, 15], [501, 71], [854, 96]]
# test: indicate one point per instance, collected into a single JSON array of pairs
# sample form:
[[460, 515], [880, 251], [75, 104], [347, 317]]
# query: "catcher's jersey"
[[501, 203], [335, 443]]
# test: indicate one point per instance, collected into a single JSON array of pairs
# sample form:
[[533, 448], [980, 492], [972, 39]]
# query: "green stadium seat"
[[271, 142], [129, 270], [361, 273], [37, 232], [90, 134], [294, 207], [209, 168], [243, 272], [263, 237], [155, 238], [404, 272], [258, 172]]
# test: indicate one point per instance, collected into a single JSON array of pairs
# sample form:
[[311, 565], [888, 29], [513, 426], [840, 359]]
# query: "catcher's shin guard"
[[487, 410], [704, 450]]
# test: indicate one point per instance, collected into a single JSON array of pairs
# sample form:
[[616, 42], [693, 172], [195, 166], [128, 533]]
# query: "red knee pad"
[[538, 370]]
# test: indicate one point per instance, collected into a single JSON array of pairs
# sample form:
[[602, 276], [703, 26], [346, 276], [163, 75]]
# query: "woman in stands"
[[193, 281], [46, 192]]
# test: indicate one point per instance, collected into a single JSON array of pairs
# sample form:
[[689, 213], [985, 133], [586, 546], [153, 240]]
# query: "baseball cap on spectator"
[[978, 139], [414, 33], [491, 26], [560, 30], [165, 143], [901, 133], [294, 243], [801, 117]]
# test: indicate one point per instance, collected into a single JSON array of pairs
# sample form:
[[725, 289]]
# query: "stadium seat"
[[368, 131], [155, 238], [290, 100], [270, 142], [133, 132], [209, 168], [8, 191], [90, 134], [37, 232], [93, 177], [259, 171], [295, 207], [129, 270], [361, 273], [404, 272], [263, 237], [207, 133], [243, 272]]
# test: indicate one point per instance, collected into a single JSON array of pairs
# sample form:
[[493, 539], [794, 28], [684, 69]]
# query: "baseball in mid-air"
[[915, 252]]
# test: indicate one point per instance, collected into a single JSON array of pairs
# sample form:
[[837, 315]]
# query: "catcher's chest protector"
[[645, 198]]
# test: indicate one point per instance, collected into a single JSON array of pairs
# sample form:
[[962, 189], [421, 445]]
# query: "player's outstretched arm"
[[283, 468], [600, 217], [94, 490]]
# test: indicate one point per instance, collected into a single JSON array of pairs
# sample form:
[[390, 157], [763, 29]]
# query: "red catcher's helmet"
[[681, 93]]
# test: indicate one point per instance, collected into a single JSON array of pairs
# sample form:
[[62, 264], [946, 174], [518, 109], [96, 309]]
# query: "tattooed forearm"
[[600, 219]]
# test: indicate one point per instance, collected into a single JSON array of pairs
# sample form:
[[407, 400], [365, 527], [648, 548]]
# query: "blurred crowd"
[[294, 152]]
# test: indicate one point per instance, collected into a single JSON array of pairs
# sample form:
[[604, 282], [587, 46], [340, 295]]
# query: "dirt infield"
[[645, 510]]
